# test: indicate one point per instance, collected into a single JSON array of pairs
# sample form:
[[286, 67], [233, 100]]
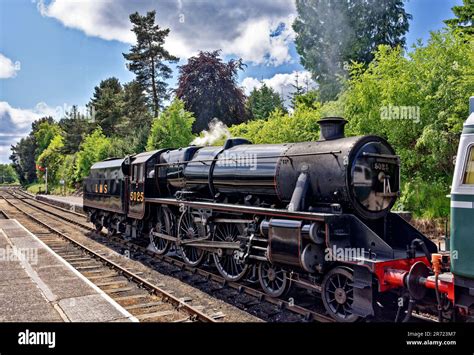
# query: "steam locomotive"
[[313, 215]]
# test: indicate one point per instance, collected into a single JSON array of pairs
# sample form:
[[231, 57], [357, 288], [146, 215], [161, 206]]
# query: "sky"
[[54, 52]]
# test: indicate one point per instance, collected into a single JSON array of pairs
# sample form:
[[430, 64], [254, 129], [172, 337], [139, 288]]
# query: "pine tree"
[[262, 102], [75, 127], [107, 102], [464, 21], [147, 58]]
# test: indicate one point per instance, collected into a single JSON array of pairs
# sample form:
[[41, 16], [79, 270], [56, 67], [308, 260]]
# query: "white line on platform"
[[86, 280]]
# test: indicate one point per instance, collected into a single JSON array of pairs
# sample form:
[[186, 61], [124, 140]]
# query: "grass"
[[35, 188]]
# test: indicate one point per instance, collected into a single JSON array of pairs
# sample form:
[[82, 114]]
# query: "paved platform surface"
[[73, 203], [37, 285]]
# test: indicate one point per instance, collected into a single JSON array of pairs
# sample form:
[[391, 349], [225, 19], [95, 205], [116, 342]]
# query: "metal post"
[[46, 180]]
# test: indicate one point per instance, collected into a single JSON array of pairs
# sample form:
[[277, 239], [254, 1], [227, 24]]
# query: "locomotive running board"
[[316, 216]]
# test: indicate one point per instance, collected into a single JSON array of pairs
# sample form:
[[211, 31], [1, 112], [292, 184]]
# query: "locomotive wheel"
[[98, 227], [338, 294], [163, 225], [111, 231], [226, 263], [187, 229], [273, 279]]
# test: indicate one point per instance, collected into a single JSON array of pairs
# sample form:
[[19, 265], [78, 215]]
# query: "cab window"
[[135, 173], [468, 176]]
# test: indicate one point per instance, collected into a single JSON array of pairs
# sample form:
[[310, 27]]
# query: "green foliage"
[[52, 159], [281, 127], [309, 99], [135, 113], [262, 102], [44, 135], [431, 85], [94, 148], [26, 150], [23, 158], [464, 21], [8, 174], [424, 199], [173, 128], [67, 170], [108, 104], [75, 126], [331, 34]]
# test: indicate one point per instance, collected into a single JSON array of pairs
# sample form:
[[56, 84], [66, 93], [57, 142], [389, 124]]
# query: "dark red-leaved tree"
[[208, 87]]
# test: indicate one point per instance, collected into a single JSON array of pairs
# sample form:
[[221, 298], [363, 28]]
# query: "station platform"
[[73, 203], [37, 285]]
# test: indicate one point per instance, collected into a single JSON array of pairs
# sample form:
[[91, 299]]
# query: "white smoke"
[[217, 130]]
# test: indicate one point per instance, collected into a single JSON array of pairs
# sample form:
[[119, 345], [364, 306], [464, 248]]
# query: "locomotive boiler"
[[357, 174]]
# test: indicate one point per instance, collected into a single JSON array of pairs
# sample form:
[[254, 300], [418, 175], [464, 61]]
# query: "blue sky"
[[53, 53]]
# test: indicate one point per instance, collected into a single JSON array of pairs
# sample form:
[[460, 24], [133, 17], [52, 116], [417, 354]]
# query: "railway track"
[[144, 300], [274, 309]]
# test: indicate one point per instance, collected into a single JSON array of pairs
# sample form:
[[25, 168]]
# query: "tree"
[[147, 58], [264, 101], [52, 159], [280, 127], [26, 150], [44, 134], [309, 99], [75, 127], [298, 90], [7, 174], [94, 148], [418, 101], [464, 21], [208, 87], [23, 158], [172, 129], [332, 33], [107, 102], [136, 118]]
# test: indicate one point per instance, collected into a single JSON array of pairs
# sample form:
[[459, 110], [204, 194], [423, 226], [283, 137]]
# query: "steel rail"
[[194, 313], [260, 295]]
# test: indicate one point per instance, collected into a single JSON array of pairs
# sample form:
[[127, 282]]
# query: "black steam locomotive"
[[314, 214]]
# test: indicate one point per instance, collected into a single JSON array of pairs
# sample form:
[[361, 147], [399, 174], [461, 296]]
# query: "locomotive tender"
[[314, 214]]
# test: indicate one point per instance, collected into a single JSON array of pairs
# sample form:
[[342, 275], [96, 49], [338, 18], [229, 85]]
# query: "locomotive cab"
[[141, 182]]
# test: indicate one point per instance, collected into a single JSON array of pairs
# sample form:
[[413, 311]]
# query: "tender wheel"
[[273, 279], [225, 261], [164, 226], [187, 229], [338, 294]]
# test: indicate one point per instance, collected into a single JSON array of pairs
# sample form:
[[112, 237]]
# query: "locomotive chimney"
[[331, 128]]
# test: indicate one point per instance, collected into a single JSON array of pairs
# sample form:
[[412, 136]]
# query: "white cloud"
[[283, 84], [15, 123], [16, 119], [239, 27], [255, 44], [8, 69]]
